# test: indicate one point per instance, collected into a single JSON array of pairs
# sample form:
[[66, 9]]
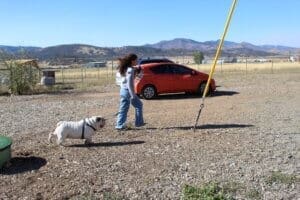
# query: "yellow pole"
[[212, 70]]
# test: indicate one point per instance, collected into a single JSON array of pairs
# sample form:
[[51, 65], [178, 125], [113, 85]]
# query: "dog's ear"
[[98, 119]]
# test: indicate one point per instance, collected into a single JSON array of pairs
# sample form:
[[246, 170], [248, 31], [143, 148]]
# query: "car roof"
[[150, 65]]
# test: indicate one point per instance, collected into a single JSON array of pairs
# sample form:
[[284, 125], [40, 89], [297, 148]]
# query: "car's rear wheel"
[[149, 92]]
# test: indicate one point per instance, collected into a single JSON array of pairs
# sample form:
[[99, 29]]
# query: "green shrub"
[[23, 78], [198, 57]]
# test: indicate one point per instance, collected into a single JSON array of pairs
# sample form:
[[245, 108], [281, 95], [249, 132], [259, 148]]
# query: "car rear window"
[[154, 61]]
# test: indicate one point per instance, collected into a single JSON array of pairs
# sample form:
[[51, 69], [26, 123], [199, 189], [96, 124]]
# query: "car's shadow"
[[108, 144], [194, 96]]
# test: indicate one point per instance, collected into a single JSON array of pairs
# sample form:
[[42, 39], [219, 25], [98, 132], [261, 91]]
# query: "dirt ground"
[[248, 130]]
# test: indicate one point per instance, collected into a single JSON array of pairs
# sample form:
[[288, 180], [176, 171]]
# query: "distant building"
[[48, 77], [292, 59], [96, 64]]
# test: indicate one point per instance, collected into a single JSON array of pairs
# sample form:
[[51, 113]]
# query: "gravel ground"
[[248, 130]]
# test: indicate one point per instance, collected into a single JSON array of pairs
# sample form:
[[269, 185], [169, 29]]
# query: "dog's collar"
[[91, 126], [83, 128]]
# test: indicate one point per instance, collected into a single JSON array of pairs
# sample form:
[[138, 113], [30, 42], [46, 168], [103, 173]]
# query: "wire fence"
[[83, 74]]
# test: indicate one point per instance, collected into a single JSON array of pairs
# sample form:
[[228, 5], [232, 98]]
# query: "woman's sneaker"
[[124, 128]]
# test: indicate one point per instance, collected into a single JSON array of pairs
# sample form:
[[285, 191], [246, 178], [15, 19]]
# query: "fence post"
[[62, 75], [107, 71], [81, 75], [272, 67], [221, 67], [112, 68], [246, 65]]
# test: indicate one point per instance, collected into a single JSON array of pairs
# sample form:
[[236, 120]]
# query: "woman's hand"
[[134, 97]]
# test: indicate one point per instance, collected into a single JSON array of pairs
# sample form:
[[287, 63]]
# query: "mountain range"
[[66, 54]]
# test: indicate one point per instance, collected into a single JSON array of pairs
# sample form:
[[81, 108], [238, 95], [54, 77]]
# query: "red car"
[[162, 78]]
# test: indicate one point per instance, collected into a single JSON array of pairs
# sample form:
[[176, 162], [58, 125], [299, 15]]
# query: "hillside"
[[188, 44], [81, 53]]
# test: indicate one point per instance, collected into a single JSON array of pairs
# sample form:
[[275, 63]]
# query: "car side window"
[[177, 69], [161, 69]]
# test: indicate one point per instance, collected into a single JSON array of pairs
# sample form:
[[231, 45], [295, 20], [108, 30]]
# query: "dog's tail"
[[59, 123]]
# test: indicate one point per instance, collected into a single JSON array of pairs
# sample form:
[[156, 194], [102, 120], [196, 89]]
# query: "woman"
[[127, 95]]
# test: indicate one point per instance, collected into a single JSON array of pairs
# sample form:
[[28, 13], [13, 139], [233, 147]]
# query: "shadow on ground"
[[224, 93], [19, 165], [206, 126], [108, 144], [193, 96]]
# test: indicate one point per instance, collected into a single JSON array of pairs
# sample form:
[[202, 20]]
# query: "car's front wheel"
[[149, 92], [202, 88]]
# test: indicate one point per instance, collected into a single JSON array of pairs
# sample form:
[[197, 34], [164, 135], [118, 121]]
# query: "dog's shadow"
[[108, 144]]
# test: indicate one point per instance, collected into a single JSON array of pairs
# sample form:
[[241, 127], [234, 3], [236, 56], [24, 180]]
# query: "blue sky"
[[116, 23]]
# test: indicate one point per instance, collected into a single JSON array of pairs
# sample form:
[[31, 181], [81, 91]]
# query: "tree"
[[198, 57]]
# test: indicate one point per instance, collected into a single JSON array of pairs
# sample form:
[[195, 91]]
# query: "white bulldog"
[[83, 129]]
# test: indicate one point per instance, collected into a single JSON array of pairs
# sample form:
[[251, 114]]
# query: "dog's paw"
[[87, 142]]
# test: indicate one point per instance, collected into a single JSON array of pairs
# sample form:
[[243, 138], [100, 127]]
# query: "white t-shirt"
[[127, 81]]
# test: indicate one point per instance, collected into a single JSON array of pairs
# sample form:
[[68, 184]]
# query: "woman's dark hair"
[[125, 62]]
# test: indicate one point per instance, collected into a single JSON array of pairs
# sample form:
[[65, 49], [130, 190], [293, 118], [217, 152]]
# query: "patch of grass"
[[210, 191], [106, 196], [42, 89], [86, 196], [111, 196], [232, 187], [253, 194], [279, 177]]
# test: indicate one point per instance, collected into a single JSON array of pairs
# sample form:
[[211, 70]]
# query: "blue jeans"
[[125, 101]]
